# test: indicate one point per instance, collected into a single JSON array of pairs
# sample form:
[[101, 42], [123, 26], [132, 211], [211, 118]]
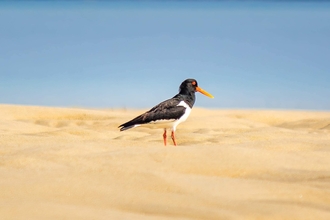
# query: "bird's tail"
[[131, 124], [123, 128]]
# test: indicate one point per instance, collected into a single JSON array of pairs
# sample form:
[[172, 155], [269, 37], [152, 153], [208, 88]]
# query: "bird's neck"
[[188, 97]]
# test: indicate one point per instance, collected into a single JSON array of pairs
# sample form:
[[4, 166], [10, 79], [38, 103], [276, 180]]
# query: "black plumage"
[[167, 110]]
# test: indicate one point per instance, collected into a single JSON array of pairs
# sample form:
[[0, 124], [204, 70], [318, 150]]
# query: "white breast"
[[184, 116]]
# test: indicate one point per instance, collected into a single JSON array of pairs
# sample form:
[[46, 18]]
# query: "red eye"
[[193, 83]]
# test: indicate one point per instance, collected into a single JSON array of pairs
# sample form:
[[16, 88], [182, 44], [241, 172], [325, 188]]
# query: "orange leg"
[[173, 138], [164, 137]]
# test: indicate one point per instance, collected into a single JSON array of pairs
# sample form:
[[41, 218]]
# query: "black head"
[[190, 86]]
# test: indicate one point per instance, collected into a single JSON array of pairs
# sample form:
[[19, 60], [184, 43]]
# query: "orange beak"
[[198, 89]]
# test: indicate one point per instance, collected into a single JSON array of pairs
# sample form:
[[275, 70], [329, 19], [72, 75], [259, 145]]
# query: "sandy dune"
[[58, 163]]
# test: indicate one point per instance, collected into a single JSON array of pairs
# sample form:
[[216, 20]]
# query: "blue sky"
[[107, 55]]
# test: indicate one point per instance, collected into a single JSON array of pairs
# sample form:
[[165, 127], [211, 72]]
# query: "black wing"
[[167, 110]]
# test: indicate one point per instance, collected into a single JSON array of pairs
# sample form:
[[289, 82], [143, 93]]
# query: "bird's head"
[[191, 85]]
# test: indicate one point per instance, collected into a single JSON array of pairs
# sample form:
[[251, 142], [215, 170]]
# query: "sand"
[[70, 163]]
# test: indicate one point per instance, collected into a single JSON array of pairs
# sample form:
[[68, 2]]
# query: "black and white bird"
[[169, 113]]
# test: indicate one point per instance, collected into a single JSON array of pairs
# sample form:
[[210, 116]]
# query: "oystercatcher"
[[169, 113]]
